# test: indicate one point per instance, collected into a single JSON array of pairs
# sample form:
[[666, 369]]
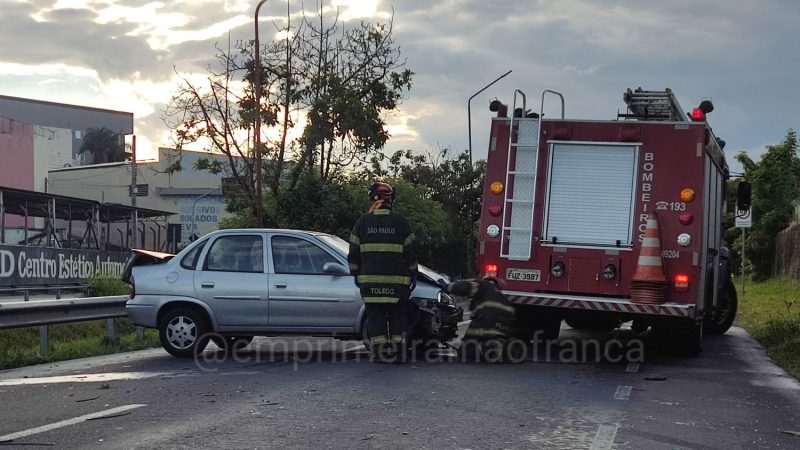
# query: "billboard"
[[40, 266]]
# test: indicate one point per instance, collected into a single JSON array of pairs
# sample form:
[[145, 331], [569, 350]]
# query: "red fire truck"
[[601, 222]]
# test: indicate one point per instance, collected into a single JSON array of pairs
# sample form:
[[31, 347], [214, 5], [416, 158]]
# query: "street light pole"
[[257, 137], [194, 203], [469, 111]]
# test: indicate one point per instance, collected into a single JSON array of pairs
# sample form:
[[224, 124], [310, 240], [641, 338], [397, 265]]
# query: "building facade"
[[76, 120], [195, 197]]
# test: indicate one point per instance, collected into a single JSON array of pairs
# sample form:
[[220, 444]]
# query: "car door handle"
[[207, 284], [280, 284]]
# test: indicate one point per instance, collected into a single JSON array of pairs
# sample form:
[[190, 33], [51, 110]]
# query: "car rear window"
[[190, 260]]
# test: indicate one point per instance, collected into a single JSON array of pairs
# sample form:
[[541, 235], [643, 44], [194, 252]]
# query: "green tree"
[[776, 184], [104, 145], [355, 76], [341, 79], [453, 183]]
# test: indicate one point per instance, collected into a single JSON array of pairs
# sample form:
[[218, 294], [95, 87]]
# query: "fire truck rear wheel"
[[719, 320]]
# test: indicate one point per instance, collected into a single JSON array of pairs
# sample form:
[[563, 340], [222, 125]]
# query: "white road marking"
[[632, 367], [623, 392], [605, 436], [68, 422], [85, 378]]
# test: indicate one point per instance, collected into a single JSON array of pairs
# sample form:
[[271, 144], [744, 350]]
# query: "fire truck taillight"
[[495, 210], [687, 195], [686, 218], [490, 270], [684, 239], [681, 282], [496, 188], [557, 270], [493, 231]]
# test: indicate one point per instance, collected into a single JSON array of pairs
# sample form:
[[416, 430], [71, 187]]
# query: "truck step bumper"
[[614, 305]]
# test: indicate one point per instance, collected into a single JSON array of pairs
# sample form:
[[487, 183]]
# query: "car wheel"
[[183, 332]]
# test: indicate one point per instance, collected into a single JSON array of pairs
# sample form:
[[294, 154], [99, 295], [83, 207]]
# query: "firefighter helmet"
[[381, 191]]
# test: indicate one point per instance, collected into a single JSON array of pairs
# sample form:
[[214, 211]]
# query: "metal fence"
[[43, 313]]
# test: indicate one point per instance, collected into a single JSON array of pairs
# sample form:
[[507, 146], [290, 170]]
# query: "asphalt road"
[[323, 393]]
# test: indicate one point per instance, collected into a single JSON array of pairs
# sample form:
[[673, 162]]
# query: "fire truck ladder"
[[653, 105], [520, 192]]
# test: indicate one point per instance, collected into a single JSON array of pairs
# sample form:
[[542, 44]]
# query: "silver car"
[[232, 285]]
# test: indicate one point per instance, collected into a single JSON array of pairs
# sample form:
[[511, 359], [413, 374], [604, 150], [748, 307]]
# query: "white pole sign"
[[744, 219]]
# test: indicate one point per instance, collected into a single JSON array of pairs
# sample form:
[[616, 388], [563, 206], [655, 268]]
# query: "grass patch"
[[20, 346], [770, 311]]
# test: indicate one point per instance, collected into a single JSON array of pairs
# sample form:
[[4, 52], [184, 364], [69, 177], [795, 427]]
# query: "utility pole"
[[257, 133]]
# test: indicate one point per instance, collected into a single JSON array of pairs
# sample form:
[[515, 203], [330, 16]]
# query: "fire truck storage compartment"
[[591, 190]]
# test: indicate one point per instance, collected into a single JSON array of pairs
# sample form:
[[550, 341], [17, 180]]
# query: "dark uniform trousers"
[[387, 322]]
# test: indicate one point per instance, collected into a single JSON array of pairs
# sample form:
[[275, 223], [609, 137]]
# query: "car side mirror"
[[332, 268], [743, 196]]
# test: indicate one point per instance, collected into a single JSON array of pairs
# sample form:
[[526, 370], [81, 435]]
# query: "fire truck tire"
[[719, 320]]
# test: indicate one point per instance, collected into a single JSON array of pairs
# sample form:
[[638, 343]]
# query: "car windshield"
[[341, 246]]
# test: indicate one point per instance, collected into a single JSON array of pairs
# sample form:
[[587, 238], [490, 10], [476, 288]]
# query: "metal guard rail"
[[48, 312]]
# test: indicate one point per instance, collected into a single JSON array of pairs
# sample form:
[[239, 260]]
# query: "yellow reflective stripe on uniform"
[[409, 240], [397, 338], [378, 339], [394, 248], [381, 212], [353, 266], [496, 305], [384, 279], [354, 239], [381, 299]]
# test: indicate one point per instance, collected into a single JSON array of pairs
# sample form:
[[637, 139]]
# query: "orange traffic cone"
[[647, 283]]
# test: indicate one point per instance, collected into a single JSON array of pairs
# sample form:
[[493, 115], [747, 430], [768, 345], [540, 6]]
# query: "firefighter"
[[384, 263], [491, 333]]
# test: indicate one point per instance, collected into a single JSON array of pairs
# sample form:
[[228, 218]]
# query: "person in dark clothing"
[[384, 263], [490, 336]]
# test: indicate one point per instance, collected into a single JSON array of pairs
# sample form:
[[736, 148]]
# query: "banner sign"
[[37, 266]]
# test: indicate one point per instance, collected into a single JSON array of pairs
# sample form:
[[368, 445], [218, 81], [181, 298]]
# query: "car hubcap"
[[181, 332]]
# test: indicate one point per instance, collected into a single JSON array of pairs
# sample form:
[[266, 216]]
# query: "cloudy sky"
[[743, 54]]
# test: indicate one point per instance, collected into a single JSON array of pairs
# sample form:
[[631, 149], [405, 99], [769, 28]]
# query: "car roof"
[[265, 230]]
